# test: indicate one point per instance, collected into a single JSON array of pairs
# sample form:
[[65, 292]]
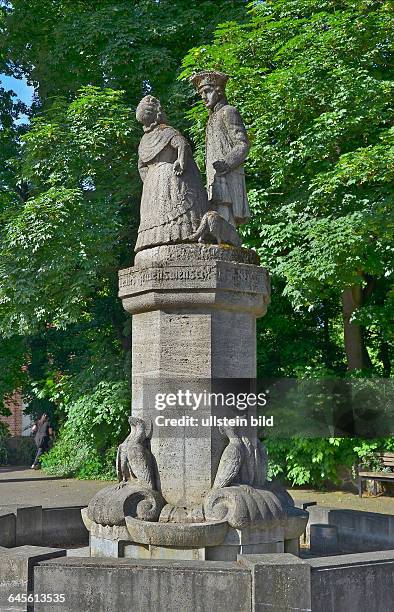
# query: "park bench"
[[386, 461]]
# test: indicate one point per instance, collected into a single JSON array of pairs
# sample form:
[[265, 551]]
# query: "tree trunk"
[[385, 358], [356, 352], [327, 347], [37, 370]]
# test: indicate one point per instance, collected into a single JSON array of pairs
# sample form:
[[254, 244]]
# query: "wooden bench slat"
[[386, 458], [389, 475], [387, 461]]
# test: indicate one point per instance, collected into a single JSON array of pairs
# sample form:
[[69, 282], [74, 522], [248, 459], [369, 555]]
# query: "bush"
[[96, 424], [314, 461]]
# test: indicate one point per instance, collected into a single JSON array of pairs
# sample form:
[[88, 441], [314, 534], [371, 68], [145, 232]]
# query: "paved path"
[[25, 487], [344, 500]]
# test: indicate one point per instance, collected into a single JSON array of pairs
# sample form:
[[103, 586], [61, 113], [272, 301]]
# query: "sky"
[[19, 86], [23, 91]]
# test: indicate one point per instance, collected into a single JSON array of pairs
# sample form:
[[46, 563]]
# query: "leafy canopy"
[[314, 82]]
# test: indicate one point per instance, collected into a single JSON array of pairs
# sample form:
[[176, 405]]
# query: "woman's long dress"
[[171, 206]]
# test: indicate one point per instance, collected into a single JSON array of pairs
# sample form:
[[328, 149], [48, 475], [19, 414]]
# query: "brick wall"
[[15, 404]]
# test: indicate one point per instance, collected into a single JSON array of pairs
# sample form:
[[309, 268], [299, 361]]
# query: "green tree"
[[13, 349], [71, 205], [314, 82]]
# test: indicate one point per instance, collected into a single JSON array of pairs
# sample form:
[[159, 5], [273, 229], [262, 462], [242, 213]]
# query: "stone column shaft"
[[194, 313]]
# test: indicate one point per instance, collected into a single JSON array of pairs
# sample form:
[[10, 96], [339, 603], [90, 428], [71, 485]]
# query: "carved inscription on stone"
[[222, 275], [139, 278], [241, 277]]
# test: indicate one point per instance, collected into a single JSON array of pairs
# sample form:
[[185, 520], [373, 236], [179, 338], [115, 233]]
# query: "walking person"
[[43, 431]]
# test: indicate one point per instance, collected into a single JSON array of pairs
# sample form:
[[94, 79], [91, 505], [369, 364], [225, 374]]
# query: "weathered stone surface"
[[209, 540], [106, 547], [107, 585], [7, 529], [362, 582], [172, 553], [358, 531], [292, 547], [317, 514], [167, 254], [29, 525], [243, 505], [33, 525], [227, 147], [243, 461], [182, 535], [280, 583], [110, 505], [63, 527], [134, 461], [258, 583], [16, 570], [195, 279], [269, 536], [136, 494], [194, 310], [173, 198], [249, 540], [324, 539], [214, 228], [295, 523]]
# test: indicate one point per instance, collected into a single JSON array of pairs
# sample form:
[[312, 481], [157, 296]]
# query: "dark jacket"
[[42, 436]]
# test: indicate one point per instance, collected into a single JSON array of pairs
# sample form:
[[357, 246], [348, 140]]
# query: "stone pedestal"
[[194, 313], [192, 491]]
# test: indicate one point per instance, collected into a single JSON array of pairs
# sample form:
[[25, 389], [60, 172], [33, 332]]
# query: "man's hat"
[[209, 77]]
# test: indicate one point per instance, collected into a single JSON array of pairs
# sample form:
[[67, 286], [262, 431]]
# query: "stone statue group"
[[206, 495], [175, 206]]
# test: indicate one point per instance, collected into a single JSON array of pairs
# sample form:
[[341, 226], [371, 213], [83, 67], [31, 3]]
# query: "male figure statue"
[[227, 147]]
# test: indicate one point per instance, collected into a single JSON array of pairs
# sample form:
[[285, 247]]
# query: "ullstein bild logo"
[[214, 421]]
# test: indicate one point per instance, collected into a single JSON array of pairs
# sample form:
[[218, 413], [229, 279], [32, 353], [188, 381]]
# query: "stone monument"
[[192, 491], [227, 147]]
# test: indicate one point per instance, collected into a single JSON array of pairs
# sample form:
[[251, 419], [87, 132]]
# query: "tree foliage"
[[88, 441], [65, 236], [314, 81], [69, 193]]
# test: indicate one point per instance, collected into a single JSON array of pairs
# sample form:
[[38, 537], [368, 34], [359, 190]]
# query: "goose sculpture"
[[231, 459], [134, 459], [242, 461]]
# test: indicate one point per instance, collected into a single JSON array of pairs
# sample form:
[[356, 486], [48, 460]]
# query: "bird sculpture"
[[242, 462], [231, 459], [261, 464], [134, 459]]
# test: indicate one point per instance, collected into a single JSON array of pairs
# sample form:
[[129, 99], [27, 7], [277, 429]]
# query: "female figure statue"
[[173, 198]]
